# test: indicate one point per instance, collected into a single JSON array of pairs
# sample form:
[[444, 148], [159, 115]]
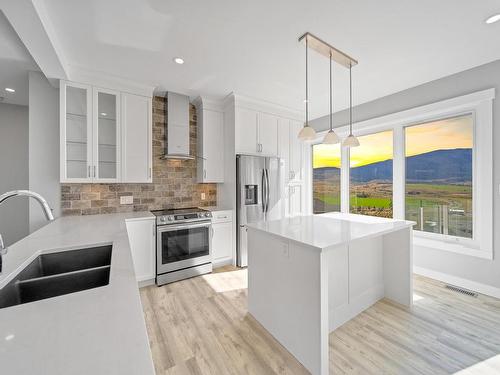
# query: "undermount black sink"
[[55, 274]]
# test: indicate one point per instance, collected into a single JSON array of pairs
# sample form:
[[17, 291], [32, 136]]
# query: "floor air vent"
[[461, 290]]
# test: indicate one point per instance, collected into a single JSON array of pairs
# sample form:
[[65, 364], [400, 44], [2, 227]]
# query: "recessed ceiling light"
[[104, 114], [8, 89], [178, 60], [493, 19]]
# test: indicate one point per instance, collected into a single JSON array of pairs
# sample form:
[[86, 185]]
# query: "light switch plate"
[[203, 196], [127, 199]]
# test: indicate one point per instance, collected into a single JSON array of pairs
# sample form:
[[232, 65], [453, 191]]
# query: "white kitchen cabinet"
[[142, 236], [136, 144], [246, 131], [295, 200], [222, 239], [105, 135], [256, 132], [210, 143], [284, 147], [291, 150], [268, 134], [295, 171], [75, 107]]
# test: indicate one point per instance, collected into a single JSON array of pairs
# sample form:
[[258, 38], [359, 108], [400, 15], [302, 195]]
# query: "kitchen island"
[[95, 331], [308, 275]]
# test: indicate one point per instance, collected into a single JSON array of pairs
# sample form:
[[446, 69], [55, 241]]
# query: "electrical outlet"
[[127, 199], [203, 196]]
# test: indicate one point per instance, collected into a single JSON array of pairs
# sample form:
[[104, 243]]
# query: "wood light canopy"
[[326, 49]]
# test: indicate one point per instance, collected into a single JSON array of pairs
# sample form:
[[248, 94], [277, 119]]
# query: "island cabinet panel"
[[308, 275], [293, 279], [356, 279], [142, 235]]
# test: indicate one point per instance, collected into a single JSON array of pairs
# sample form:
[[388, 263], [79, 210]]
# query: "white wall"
[[462, 267], [14, 222], [43, 147]]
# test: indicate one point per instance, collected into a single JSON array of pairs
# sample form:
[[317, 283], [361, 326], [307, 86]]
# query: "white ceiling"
[[15, 63], [250, 47]]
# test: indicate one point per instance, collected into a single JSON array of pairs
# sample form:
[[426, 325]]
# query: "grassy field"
[[375, 199]]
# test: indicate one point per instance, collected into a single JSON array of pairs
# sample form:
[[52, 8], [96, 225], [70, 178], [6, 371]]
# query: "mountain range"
[[441, 166]]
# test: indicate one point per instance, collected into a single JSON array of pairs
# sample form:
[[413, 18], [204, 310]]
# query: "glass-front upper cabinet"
[[76, 132], [106, 132], [90, 133]]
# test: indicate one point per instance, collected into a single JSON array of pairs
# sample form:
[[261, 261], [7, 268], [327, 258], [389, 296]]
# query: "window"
[[439, 176], [370, 174], [326, 178]]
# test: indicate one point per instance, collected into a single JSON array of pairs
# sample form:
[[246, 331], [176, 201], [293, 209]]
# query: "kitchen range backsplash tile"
[[174, 181]]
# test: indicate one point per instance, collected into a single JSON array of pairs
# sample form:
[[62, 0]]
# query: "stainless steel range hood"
[[177, 127]]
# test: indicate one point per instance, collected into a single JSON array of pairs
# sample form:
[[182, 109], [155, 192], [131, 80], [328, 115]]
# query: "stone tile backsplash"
[[174, 181]]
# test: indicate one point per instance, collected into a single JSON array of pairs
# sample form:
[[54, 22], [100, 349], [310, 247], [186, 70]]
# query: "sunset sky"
[[438, 135]]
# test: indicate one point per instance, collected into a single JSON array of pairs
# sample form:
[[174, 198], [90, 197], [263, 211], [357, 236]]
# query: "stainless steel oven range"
[[183, 244]]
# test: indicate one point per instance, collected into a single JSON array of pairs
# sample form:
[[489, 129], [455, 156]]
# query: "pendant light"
[[307, 133], [351, 140], [331, 137]]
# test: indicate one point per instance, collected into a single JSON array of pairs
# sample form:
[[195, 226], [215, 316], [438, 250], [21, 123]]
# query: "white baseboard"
[[458, 281], [146, 282], [222, 262]]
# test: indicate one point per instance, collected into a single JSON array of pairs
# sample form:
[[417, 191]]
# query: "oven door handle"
[[170, 228]]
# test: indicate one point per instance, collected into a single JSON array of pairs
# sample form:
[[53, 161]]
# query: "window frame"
[[480, 105]]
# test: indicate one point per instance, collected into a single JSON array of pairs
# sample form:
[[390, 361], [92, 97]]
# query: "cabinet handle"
[[204, 173], [94, 170], [221, 217], [150, 172], [88, 172]]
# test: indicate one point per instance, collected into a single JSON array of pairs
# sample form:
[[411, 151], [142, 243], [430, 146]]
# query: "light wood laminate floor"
[[201, 326]]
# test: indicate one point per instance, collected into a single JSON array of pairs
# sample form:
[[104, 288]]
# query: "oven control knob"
[[162, 219], [170, 218]]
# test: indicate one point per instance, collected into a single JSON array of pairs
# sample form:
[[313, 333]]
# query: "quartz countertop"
[[217, 208], [95, 331], [324, 231]]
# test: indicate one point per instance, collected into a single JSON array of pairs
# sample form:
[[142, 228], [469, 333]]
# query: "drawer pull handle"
[[221, 217]]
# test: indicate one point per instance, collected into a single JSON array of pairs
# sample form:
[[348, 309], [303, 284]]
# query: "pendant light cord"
[[331, 94], [307, 86], [350, 98]]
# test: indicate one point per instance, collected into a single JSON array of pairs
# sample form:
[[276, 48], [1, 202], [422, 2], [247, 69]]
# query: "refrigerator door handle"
[[268, 189], [263, 192]]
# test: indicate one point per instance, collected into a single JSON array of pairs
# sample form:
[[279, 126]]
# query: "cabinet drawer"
[[222, 216]]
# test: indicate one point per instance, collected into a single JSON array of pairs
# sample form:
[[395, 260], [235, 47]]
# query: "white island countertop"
[[331, 229], [95, 331]]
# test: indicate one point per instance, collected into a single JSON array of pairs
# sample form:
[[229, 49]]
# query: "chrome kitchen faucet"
[[25, 193]]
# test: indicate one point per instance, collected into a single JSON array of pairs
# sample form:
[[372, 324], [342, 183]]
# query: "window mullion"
[[398, 173], [344, 180]]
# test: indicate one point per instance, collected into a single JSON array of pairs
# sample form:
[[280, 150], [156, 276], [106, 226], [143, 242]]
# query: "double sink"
[[55, 274]]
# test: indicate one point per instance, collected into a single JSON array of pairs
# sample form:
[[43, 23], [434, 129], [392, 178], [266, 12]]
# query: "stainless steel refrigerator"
[[258, 196]]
